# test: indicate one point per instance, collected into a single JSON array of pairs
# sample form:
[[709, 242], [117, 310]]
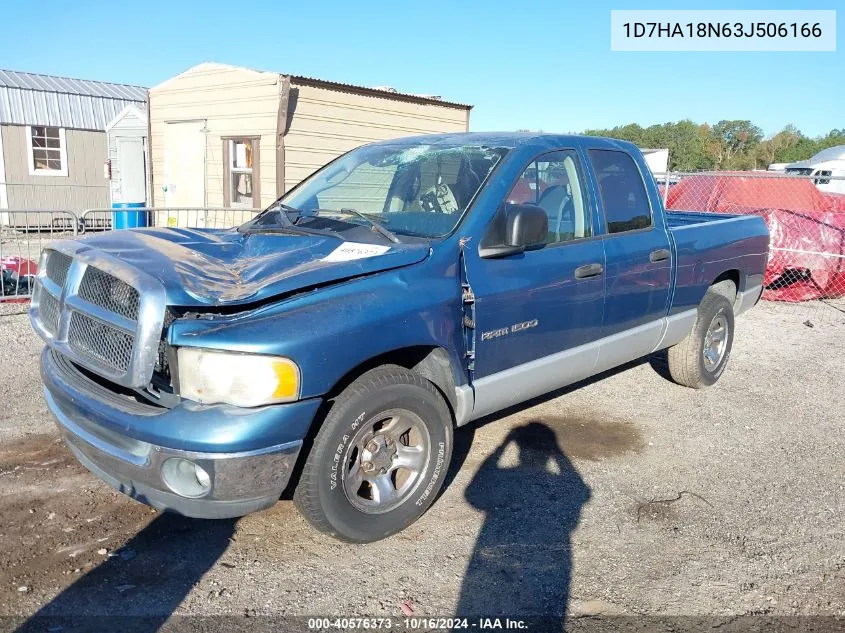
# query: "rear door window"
[[623, 194]]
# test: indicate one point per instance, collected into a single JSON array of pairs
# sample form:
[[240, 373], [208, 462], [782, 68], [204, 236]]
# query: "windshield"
[[406, 188]]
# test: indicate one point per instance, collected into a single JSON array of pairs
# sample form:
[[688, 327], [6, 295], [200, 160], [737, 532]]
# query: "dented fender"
[[332, 330]]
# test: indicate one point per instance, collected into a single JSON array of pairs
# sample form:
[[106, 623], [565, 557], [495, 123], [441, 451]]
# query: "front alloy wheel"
[[385, 461], [380, 456]]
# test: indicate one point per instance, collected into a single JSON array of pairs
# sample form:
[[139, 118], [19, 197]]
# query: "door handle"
[[660, 255], [588, 270]]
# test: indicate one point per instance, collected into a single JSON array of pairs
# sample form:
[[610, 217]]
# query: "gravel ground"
[[625, 495]]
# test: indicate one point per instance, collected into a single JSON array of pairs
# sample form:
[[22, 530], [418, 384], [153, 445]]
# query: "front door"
[[538, 312]]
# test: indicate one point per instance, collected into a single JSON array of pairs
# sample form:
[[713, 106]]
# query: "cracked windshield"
[[410, 189]]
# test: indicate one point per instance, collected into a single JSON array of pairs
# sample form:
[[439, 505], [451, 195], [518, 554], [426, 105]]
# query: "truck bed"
[[679, 219], [708, 243]]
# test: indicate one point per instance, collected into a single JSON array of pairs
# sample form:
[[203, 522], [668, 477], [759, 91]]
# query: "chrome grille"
[[110, 293], [58, 265], [49, 307], [94, 317], [107, 344]]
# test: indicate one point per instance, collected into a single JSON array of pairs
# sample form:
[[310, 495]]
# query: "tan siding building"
[[80, 186], [228, 136]]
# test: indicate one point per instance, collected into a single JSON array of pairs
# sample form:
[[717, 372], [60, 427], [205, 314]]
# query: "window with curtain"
[[47, 153], [241, 173]]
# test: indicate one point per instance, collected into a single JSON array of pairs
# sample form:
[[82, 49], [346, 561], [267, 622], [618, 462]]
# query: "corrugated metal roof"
[[30, 99], [380, 91]]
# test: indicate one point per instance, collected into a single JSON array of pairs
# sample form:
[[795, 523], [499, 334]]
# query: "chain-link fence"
[[806, 220]]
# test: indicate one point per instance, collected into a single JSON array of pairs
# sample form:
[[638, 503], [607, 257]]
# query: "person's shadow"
[[147, 579], [522, 563]]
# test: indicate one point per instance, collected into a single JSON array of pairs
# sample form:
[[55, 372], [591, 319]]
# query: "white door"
[[184, 164], [131, 171]]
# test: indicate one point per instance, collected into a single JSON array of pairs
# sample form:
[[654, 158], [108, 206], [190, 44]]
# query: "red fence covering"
[[807, 226], [18, 273]]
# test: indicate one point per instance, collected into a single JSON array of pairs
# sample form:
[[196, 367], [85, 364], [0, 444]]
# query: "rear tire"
[[379, 458], [700, 359]]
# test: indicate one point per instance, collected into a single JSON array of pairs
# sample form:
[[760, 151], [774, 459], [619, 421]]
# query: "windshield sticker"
[[353, 250]]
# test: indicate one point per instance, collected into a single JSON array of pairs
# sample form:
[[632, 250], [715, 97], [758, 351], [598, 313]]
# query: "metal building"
[[53, 139], [229, 136]]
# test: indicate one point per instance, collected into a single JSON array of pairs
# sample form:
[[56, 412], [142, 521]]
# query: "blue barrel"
[[127, 219]]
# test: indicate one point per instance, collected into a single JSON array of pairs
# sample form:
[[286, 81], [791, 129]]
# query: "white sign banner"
[[354, 250]]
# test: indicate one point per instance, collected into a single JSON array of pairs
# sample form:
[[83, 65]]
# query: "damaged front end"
[[111, 381]]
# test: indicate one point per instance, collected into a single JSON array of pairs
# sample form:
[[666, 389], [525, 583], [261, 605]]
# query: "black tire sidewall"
[[340, 426], [716, 305]]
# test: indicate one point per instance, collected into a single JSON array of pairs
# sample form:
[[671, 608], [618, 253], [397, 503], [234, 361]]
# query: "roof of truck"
[[510, 140]]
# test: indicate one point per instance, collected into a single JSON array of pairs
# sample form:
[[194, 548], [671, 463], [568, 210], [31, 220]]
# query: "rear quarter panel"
[[709, 245]]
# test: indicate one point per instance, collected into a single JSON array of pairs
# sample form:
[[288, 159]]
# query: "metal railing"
[[23, 235], [25, 232], [104, 219]]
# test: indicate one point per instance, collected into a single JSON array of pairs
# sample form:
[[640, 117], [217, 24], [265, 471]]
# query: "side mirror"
[[524, 226]]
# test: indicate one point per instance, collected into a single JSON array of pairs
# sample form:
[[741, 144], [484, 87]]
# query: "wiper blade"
[[291, 230], [282, 230], [377, 228], [261, 221], [284, 225]]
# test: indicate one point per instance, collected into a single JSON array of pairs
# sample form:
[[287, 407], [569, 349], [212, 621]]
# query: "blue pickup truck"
[[336, 341]]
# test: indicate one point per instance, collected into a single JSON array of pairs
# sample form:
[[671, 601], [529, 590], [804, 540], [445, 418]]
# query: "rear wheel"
[[379, 459], [700, 359]]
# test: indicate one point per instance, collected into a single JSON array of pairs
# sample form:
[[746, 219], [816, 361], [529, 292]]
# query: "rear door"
[[638, 258], [534, 308]]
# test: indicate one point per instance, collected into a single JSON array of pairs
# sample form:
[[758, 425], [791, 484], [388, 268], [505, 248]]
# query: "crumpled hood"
[[208, 267]]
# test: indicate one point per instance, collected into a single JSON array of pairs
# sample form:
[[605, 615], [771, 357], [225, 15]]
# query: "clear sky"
[[535, 65]]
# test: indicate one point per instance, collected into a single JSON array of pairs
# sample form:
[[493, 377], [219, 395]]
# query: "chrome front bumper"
[[240, 482]]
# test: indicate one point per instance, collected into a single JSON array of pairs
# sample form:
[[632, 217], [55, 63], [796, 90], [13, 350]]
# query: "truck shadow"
[[521, 565], [464, 435], [147, 579]]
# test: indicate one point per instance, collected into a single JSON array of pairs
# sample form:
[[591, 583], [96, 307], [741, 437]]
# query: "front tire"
[[379, 458], [700, 359]]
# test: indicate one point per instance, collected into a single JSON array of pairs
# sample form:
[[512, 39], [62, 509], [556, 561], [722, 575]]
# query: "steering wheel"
[[439, 199]]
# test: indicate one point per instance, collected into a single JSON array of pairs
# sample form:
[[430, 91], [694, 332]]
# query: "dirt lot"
[[624, 495]]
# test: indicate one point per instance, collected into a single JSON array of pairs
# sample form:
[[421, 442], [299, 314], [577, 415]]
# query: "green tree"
[[770, 150], [736, 144], [732, 141], [687, 143]]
